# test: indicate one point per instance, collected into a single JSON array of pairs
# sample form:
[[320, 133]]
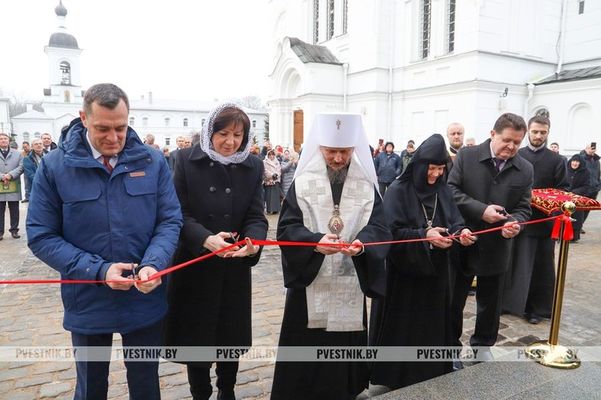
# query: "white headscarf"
[[207, 133], [340, 130]]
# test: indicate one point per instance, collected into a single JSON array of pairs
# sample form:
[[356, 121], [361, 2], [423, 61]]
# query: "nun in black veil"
[[416, 309]]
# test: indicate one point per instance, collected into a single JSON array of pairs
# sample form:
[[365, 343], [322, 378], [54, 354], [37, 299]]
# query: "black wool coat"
[[475, 184], [210, 301]]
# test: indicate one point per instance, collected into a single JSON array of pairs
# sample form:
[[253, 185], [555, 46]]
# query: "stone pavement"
[[32, 316]]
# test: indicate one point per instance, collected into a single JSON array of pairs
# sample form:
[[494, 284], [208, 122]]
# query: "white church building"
[[411, 67], [165, 119]]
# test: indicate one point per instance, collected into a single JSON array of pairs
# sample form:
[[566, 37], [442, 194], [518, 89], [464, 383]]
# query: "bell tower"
[[63, 63]]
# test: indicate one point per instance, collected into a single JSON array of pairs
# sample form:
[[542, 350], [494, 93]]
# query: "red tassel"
[[568, 230], [556, 227]]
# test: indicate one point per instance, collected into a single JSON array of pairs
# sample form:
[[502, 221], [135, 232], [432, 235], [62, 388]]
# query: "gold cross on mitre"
[[338, 123]]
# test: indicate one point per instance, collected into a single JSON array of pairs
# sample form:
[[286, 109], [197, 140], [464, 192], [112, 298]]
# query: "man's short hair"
[[539, 119], [105, 95], [510, 120], [4, 134], [46, 134], [554, 143], [410, 142], [24, 142]]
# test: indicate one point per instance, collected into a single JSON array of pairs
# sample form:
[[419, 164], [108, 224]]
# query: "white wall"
[[575, 111]]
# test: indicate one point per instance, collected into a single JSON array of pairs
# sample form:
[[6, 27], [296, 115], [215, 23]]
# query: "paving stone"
[[244, 378], [166, 369], [35, 380], [176, 392], [14, 373], [27, 394], [248, 391], [54, 389], [116, 390], [70, 373], [51, 366]]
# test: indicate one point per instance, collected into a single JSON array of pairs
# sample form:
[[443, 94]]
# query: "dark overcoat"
[[476, 184], [210, 301]]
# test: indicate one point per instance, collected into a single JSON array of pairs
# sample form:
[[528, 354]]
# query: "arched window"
[[144, 121], [185, 121], [167, 141], [36, 135], [167, 120], [202, 122], [132, 121], [67, 96], [26, 136], [65, 73], [580, 120], [254, 123]]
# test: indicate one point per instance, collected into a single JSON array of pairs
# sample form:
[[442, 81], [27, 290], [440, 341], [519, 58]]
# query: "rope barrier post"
[[549, 352]]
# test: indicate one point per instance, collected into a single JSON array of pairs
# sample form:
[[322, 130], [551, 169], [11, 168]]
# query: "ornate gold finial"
[[338, 123], [568, 207]]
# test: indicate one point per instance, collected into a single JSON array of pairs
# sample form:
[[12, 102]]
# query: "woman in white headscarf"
[[220, 189], [271, 181]]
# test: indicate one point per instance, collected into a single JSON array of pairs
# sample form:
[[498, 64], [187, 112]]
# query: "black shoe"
[[471, 292], [582, 231], [534, 319], [25, 201], [226, 394], [1, 237], [15, 235]]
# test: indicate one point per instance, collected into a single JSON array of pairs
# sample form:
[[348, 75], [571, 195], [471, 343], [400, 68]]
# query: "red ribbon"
[[568, 230], [286, 243]]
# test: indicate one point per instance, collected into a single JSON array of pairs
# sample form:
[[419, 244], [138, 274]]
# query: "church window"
[[344, 16], [167, 141], [167, 120], [425, 20], [202, 122], [330, 26], [581, 7], [67, 96], [26, 136], [451, 27], [65, 73], [185, 121], [36, 135], [144, 121], [132, 121], [254, 123], [315, 21]]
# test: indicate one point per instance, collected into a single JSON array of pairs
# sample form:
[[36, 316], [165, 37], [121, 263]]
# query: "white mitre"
[[341, 130]]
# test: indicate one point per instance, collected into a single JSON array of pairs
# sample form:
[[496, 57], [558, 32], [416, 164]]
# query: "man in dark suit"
[[531, 277], [491, 184]]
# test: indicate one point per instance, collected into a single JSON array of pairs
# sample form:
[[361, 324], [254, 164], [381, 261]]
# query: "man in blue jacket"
[[103, 207], [388, 166]]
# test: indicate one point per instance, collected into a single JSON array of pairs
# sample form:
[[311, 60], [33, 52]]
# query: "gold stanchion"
[[550, 353]]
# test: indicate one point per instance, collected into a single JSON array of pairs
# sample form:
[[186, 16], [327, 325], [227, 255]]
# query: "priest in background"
[[333, 199]]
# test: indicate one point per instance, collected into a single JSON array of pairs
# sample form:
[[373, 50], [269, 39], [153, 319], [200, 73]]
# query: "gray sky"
[[178, 49]]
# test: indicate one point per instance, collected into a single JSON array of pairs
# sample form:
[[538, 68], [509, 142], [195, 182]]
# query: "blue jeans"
[[142, 376]]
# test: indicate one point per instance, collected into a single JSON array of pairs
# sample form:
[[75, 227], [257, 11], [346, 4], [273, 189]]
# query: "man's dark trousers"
[[142, 376]]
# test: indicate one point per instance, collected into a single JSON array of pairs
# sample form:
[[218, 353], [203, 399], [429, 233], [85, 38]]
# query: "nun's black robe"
[[416, 309], [323, 380]]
